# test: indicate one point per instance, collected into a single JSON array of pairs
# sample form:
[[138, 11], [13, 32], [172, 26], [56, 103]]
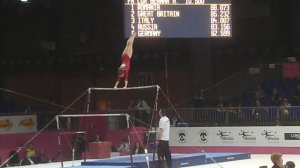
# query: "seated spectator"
[[143, 106], [285, 106], [30, 150], [174, 121], [143, 110], [27, 161], [30, 157], [198, 97], [290, 164], [283, 113], [31, 154], [124, 147], [33, 157], [259, 92], [138, 149], [82, 145], [276, 158], [297, 94], [255, 112], [113, 148], [132, 111], [14, 160], [275, 97], [132, 107]]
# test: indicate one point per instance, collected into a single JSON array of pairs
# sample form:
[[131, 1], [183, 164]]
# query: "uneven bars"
[[93, 115], [128, 88]]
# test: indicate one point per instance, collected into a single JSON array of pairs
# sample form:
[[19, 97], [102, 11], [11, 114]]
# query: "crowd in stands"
[[272, 100], [273, 93], [270, 93], [32, 156]]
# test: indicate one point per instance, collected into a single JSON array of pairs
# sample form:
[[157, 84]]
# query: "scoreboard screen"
[[178, 18]]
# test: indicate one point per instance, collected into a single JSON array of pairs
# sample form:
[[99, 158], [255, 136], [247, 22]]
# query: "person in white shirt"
[[163, 151], [124, 147]]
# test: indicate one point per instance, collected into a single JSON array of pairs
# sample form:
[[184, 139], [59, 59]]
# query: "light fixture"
[[24, 1]]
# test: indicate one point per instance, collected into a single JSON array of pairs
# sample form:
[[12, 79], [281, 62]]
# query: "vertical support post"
[[88, 101], [167, 76], [57, 122], [155, 123], [129, 141], [60, 150]]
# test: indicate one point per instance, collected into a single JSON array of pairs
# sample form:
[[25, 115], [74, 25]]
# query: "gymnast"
[[123, 69]]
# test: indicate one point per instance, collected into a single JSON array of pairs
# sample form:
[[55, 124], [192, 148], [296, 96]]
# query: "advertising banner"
[[283, 136], [18, 124], [291, 70]]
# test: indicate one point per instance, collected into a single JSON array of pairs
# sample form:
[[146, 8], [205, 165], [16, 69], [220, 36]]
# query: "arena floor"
[[255, 161]]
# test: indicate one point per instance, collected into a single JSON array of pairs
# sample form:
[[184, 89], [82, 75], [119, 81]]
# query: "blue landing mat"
[[178, 160]]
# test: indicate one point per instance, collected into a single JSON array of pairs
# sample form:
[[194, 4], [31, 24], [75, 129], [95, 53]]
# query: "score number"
[[220, 20]]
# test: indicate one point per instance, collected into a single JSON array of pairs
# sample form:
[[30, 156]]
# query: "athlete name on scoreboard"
[[146, 13]]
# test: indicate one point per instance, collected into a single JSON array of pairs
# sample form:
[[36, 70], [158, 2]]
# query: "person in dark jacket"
[[138, 149]]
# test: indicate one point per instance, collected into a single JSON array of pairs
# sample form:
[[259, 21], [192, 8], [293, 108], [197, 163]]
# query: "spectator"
[[124, 147], [290, 164], [143, 106], [132, 110], [31, 153], [27, 161], [82, 145], [143, 110], [113, 148], [259, 92], [174, 121], [297, 92], [221, 103], [198, 97], [284, 111], [237, 115], [138, 148], [132, 107], [31, 156], [255, 111], [14, 160], [276, 158], [275, 97]]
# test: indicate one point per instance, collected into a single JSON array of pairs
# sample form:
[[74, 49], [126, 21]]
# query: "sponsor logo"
[[203, 134], [182, 136], [270, 135], [225, 135], [6, 124], [247, 135], [292, 136], [27, 123]]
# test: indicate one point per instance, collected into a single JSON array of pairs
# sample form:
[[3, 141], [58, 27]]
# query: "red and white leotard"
[[126, 62]]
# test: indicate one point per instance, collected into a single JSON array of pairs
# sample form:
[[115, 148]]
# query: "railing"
[[202, 117], [227, 116], [238, 116]]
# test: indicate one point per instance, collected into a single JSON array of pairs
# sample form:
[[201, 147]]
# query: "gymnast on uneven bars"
[[123, 69]]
